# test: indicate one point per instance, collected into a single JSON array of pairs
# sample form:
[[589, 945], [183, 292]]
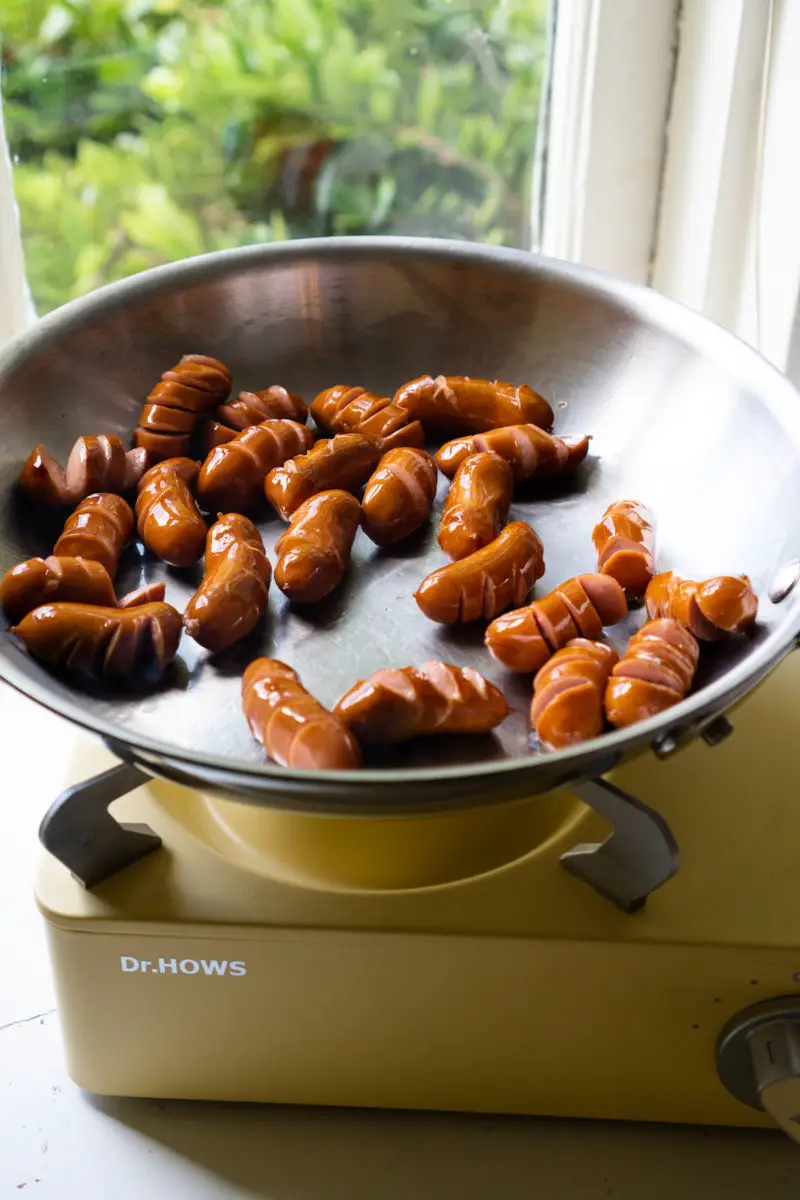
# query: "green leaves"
[[150, 130]]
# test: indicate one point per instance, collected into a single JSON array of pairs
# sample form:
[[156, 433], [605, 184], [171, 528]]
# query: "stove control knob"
[[758, 1060]]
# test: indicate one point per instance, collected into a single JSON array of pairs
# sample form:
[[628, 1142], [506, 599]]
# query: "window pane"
[[144, 131]]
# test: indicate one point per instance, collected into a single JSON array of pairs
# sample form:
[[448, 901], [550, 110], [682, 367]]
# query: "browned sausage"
[[232, 477], [486, 582], [314, 552], [529, 451], [293, 727], [107, 641], [100, 528], [477, 505], [724, 604], [194, 386], [148, 593], [472, 405], [254, 408], [397, 704], [233, 594], [344, 461], [46, 580], [343, 409], [625, 541], [95, 464], [655, 672], [167, 517], [523, 640], [399, 495], [568, 693]]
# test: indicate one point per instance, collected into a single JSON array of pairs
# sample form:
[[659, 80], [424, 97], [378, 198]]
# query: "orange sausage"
[[344, 409], [233, 594], [95, 464], [253, 408], [529, 451], [148, 593], [523, 640], [232, 477], [472, 405], [46, 580], [100, 528], [167, 517], [399, 495], [477, 505], [293, 727], [344, 461], [194, 386], [394, 705], [106, 641], [486, 582], [568, 691], [625, 541], [655, 672], [724, 604], [314, 552]]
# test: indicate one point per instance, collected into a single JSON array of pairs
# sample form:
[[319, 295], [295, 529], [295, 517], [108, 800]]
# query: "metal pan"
[[684, 417]]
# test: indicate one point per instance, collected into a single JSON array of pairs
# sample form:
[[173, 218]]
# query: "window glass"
[[143, 131]]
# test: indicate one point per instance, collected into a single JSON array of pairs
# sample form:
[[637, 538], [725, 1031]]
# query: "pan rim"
[[741, 360]]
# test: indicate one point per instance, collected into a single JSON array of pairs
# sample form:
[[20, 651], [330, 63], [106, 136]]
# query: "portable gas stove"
[[451, 962]]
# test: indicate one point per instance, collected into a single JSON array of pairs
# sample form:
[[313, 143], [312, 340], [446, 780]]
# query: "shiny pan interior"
[[683, 417]]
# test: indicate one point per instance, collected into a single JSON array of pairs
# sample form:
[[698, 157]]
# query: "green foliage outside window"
[[144, 131]]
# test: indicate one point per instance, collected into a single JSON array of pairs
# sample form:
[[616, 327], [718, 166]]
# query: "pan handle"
[[80, 832]]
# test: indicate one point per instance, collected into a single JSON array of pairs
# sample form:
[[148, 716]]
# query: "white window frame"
[[671, 158]]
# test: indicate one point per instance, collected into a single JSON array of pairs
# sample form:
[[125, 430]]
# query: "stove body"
[[449, 962]]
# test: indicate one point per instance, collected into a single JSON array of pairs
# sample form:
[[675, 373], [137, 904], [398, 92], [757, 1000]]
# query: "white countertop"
[[57, 1142]]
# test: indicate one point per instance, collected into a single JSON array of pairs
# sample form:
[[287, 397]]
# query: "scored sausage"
[[399, 495], [343, 409], [106, 641], [274, 403], [568, 692], [524, 639], [314, 552], [42, 580], [477, 505], [723, 604], [529, 451], [655, 672], [193, 387], [625, 542], [345, 461], [472, 405], [232, 477], [99, 528], [233, 593], [486, 582], [397, 704], [95, 464], [293, 727], [167, 518]]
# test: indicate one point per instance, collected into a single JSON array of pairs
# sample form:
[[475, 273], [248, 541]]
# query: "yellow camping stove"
[[452, 962]]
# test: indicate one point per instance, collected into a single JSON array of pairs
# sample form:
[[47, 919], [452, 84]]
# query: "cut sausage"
[[314, 552], [524, 639], [472, 405], [477, 505], [486, 582], [293, 727], [655, 672], [345, 462], [233, 594], [625, 540], [399, 495], [394, 705]]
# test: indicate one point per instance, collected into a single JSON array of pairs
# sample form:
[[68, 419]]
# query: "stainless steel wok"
[[684, 417]]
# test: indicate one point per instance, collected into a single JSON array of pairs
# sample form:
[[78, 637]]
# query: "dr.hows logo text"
[[181, 966]]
